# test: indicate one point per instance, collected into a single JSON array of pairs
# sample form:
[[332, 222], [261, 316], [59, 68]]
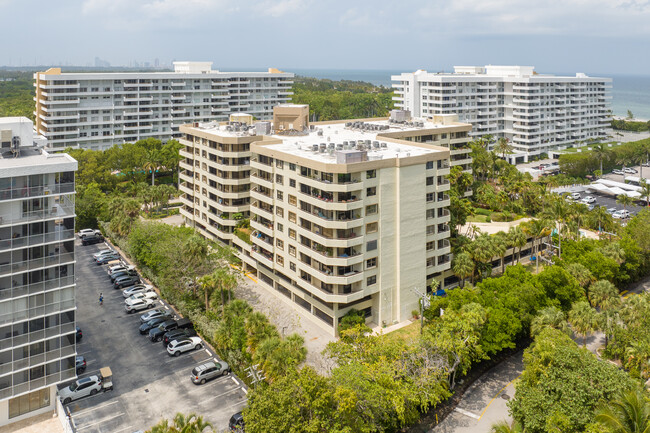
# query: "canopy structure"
[[611, 187]]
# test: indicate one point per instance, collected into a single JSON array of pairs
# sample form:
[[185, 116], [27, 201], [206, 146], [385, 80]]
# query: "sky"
[[591, 36]]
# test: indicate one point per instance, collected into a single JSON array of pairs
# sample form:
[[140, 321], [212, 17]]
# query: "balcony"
[[40, 287], [35, 191], [55, 212], [28, 241], [29, 265]]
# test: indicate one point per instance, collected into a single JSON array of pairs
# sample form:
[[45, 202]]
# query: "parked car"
[[80, 364], [117, 268], [612, 210], [91, 239], [79, 334], [617, 171], [146, 326], [236, 423], [157, 333], [124, 273], [575, 195], [126, 281], [80, 388], [177, 347], [138, 288], [209, 370], [158, 312], [137, 305], [149, 295], [102, 252], [629, 170], [591, 207], [101, 260], [588, 199], [87, 232], [177, 334], [621, 214]]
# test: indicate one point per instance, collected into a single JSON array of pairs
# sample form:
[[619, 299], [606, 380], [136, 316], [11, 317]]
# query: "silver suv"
[[209, 370], [80, 388]]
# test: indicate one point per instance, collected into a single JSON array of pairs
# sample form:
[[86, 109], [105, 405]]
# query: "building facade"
[[98, 110], [535, 112], [346, 214], [37, 288]]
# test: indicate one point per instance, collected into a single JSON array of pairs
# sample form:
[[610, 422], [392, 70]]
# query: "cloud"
[[276, 9]]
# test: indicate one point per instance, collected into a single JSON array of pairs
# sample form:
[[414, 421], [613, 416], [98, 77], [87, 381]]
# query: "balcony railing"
[[34, 191], [28, 265], [19, 242], [56, 211]]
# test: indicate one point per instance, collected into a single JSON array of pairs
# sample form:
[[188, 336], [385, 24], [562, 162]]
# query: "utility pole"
[[424, 302], [255, 374]]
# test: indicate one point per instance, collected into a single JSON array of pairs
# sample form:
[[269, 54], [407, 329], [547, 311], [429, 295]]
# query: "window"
[[279, 260], [371, 245], [292, 217], [279, 179], [279, 164], [431, 213], [292, 183], [371, 191], [430, 180], [29, 402], [280, 244], [430, 245], [429, 165], [279, 195], [292, 250], [279, 212], [371, 228], [280, 227], [292, 200], [371, 280], [430, 196], [371, 263], [371, 174], [292, 167], [292, 232], [371, 210], [292, 266], [431, 261], [431, 230]]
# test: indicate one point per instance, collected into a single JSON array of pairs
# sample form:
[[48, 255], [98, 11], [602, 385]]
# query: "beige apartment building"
[[345, 214]]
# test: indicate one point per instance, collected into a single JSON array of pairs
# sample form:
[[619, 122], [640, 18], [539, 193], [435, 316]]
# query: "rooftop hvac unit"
[[339, 146], [400, 116], [330, 146], [314, 147], [351, 156], [375, 144], [320, 132], [384, 145]]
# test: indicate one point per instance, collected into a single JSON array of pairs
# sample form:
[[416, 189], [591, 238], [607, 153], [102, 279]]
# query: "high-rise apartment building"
[[37, 288], [535, 112], [343, 214], [96, 110]]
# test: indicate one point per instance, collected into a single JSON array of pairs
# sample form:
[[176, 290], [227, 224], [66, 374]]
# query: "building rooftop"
[[33, 161], [496, 72]]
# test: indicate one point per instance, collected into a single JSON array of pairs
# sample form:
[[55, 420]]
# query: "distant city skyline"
[[598, 36]]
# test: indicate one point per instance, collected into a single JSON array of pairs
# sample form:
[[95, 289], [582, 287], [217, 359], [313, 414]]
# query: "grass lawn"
[[409, 332], [477, 219]]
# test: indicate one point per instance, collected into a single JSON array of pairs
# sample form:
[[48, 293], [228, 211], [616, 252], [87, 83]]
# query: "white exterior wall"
[[98, 110], [537, 113]]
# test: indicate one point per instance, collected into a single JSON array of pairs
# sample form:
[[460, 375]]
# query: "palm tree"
[[209, 284], [462, 266], [615, 252], [537, 229], [600, 151], [558, 211], [624, 200], [627, 413], [500, 245], [583, 319], [583, 276], [191, 423], [549, 317], [603, 294], [518, 239], [504, 427], [482, 251], [645, 191], [503, 147], [601, 218], [152, 162]]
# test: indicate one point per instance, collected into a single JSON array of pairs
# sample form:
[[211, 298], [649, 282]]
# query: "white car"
[[575, 195], [612, 210], [621, 214], [80, 388], [629, 170], [617, 171], [86, 232], [102, 253], [176, 347], [131, 305], [147, 295], [117, 268], [158, 312], [139, 288], [588, 199]]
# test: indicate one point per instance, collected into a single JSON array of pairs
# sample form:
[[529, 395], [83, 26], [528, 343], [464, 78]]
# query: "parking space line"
[[94, 407], [220, 395], [208, 352], [103, 420], [129, 427], [234, 380]]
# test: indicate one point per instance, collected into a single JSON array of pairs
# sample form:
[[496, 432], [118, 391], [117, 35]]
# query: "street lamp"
[[425, 302]]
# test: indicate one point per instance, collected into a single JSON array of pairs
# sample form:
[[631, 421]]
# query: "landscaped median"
[[195, 277]]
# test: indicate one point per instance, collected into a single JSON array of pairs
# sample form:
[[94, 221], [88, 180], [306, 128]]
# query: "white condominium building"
[[535, 112], [37, 288], [96, 110], [343, 214]]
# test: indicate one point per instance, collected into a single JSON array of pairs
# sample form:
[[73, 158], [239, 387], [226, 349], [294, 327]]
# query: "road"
[[484, 402]]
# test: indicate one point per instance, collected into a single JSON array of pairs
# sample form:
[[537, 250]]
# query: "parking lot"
[[148, 384]]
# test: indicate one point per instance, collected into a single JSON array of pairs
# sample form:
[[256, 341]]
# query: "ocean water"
[[629, 92]]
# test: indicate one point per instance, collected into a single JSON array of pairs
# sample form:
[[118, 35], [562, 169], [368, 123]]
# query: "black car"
[[126, 281], [105, 258], [80, 363], [125, 273], [156, 334], [177, 334], [92, 239], [79, 334], [236, 423], [146, 326]]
